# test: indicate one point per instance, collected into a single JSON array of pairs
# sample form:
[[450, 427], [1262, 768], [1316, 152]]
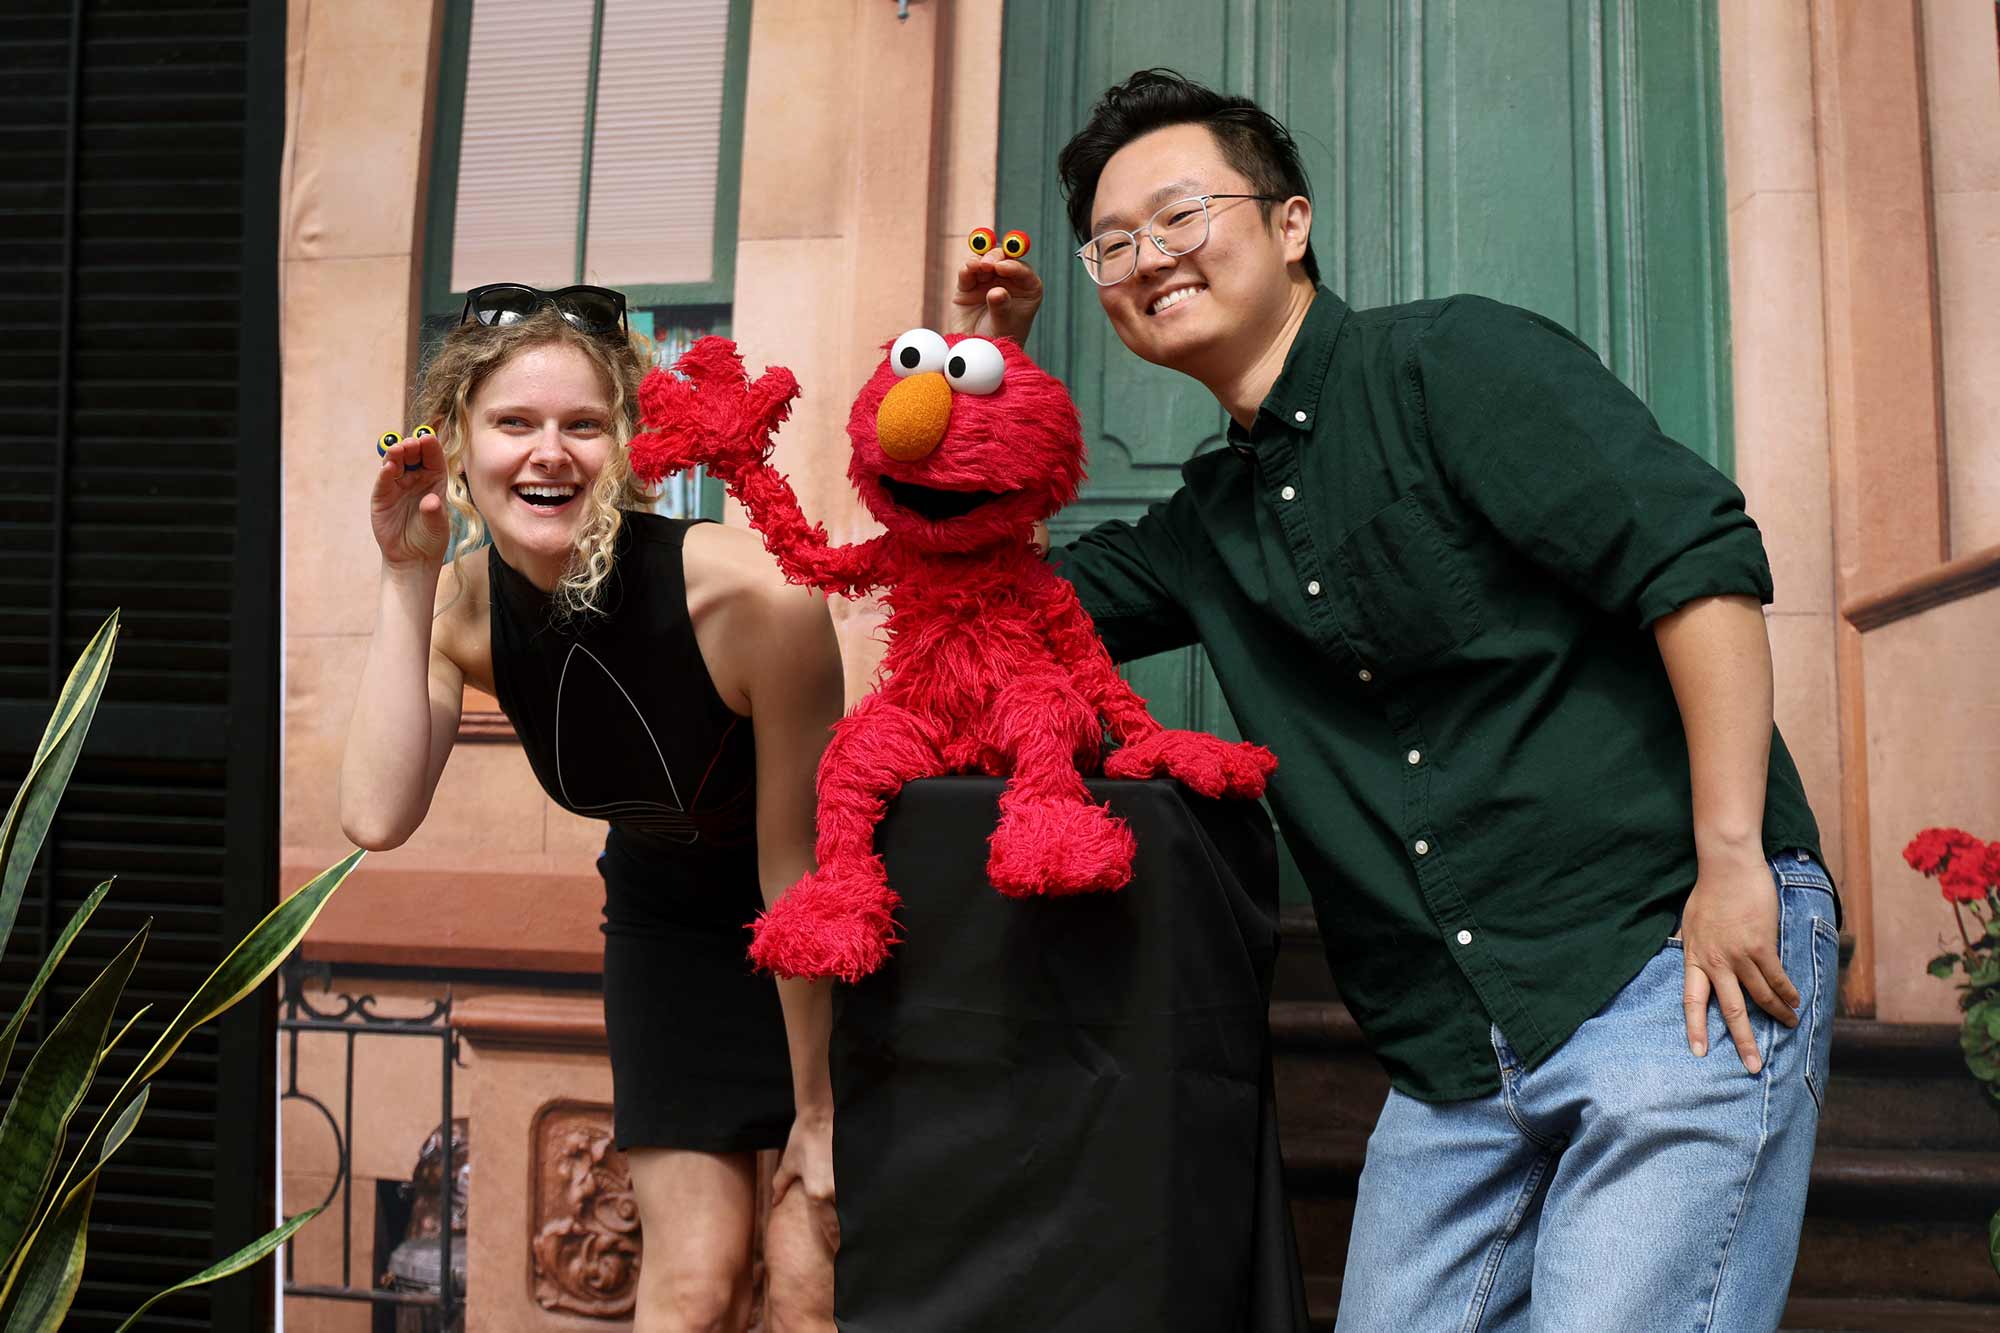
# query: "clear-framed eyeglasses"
[[1178, 228]]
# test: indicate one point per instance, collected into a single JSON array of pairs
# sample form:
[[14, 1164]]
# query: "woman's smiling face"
[[538, 434]]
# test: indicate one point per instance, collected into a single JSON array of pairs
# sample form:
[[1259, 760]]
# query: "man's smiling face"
[[1186, 312]]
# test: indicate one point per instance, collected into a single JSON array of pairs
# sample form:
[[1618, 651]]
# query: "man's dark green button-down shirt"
[[1426, 578]]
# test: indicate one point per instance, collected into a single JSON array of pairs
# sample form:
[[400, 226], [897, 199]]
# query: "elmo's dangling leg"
[[837, 921], [1052, 838]]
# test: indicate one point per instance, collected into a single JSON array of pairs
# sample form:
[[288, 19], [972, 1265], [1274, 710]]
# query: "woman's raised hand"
[[406, 506]]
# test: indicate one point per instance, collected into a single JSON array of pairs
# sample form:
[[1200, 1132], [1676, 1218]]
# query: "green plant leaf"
[[40, 1288], [51, 1089], [130, 1023], [1986, 972], [53, 1268], [235, 1263], [256, 957], [56, 952], [1943, 965], [246, 967], [1993, 1241], [62, 740]]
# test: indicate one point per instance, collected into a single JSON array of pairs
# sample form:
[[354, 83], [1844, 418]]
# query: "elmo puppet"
[[960, 445]]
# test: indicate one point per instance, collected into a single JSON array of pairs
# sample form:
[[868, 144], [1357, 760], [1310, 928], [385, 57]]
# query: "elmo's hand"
[[706, 411], [1209, 765]]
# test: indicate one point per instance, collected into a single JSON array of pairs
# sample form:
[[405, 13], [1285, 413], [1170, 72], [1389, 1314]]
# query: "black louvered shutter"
[[139, 162]]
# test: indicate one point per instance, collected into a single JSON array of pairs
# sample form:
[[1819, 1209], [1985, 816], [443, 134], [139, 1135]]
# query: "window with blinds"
[[590, 141]]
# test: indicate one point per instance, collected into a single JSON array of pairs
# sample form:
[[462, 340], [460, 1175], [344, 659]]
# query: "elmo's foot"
[[1059, 847], [835, 922]]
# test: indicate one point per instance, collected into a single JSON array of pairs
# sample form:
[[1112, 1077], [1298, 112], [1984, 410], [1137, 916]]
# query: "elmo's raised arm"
[[707, 412]]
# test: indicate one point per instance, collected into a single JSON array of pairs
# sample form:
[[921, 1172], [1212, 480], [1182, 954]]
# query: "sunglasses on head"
[[587, 309]]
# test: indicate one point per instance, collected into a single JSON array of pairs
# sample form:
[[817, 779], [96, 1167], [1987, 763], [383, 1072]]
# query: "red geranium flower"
[[1935, 848], [1965, 880]]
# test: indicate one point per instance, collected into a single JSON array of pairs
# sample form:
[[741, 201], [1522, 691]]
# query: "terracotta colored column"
[[1885, 412], [901, 77]]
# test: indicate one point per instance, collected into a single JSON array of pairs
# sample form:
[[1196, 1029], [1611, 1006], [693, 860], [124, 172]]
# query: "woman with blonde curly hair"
[[661, 676]]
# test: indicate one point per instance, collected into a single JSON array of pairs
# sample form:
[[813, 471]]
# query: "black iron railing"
[[350, 1018]]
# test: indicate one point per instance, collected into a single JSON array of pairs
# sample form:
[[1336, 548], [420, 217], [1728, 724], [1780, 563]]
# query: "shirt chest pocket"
[[1408, 596]]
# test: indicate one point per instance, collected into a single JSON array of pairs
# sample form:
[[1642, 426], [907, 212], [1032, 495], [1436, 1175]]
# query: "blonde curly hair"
[[472, 352]]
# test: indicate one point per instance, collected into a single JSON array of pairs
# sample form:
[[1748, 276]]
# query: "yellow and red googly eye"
[[982, 240], [1015, 244], [388, 440]]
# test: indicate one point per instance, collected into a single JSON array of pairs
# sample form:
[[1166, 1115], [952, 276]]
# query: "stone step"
[[1814, 1314]]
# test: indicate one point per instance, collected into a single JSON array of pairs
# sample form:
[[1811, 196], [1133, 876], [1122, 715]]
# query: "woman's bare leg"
[[698, 1211], [799, 1244]]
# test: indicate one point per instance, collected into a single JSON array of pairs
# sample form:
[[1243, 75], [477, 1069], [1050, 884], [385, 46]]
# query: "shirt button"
[[1366, 675], [1465, 937], [1312, 589], [1415, 757], [1423, 848], [1299, 417], [1289, 493]]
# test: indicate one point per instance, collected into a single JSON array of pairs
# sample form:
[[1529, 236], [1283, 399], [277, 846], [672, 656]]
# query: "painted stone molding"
[[584, 1256]]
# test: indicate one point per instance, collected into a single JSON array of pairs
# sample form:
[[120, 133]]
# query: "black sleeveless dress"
[[621, 722]]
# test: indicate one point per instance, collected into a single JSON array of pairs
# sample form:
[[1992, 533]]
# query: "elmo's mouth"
[[933, 504]]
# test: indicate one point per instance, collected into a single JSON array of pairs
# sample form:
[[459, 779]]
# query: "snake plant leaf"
[[235, 1263], [40, 1288], [62, 740], [51, 1089], [56, 952], [130, 1023], [256, 957], [268, 944]]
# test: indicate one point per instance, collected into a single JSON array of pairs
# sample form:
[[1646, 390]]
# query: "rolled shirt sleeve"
[[1572, 471]]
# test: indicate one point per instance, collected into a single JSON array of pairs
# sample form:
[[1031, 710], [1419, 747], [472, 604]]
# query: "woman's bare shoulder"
[[746, 616], [729, 564]]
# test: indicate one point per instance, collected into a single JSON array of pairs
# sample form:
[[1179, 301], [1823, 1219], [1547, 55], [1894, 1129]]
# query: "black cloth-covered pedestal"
[[1055, 1115]]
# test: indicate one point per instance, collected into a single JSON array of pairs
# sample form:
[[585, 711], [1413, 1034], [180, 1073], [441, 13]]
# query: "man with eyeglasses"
[[1506, 640]]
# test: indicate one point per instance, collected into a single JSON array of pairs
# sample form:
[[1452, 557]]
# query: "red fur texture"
[[993, 665]]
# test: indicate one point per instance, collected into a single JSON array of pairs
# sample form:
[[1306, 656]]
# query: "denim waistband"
[[1796, 868]]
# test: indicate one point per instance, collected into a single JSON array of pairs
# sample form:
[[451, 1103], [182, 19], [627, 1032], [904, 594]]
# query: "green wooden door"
[[1562, 155]]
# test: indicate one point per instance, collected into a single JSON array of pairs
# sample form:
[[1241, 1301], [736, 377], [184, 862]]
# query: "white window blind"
[[520, 166], [650, 173], [658, 142]]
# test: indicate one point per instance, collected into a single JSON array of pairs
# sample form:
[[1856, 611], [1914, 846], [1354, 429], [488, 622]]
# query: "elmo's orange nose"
[[912, 418]]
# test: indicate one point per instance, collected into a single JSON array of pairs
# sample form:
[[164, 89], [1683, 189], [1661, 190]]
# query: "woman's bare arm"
[[406, 712]]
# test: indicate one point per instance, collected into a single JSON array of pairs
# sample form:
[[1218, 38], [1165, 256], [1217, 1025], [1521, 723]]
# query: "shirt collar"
[[1293, 403]]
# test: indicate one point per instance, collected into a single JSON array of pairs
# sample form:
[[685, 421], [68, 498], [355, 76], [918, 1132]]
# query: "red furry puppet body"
[[959, 446]]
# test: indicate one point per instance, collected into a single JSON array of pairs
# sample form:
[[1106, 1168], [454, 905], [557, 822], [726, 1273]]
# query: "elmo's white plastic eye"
[[917, 351], [973, 365]]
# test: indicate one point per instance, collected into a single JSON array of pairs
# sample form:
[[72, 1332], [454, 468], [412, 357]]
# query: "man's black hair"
[[1252, 141]]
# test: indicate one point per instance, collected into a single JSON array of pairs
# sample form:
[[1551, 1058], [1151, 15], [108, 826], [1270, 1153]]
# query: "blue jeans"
[[1622, 1184]]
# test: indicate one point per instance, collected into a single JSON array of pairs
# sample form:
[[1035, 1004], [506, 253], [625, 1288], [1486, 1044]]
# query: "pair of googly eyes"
[[388, 440], [970, 365], [1013, 245]]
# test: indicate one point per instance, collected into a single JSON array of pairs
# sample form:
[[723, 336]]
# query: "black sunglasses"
[[588, 309]]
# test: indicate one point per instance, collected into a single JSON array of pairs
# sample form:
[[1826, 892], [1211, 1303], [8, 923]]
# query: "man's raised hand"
[[996, 298]]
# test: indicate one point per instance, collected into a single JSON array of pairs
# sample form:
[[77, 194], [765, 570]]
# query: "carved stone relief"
[[586, 1246]]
